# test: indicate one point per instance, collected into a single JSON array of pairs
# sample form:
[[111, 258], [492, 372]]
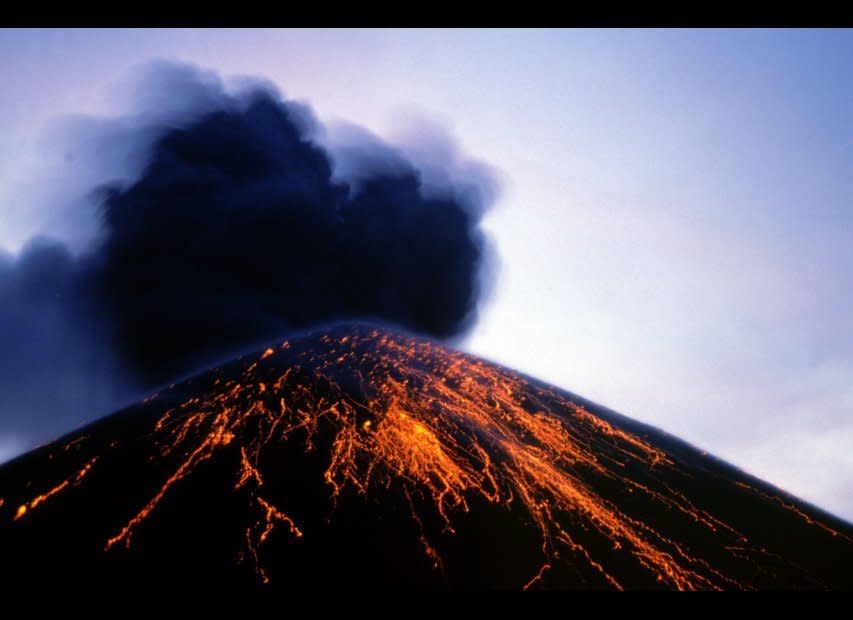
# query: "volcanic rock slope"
[[359, 458]]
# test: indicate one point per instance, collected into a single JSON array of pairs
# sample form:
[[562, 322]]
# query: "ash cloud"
[[237, 221], [57, 370]]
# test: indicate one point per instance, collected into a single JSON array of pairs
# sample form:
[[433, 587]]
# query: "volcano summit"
[[359, 458]]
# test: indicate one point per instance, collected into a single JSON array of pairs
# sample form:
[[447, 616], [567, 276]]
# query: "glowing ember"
[[444, 428], [70, 482]]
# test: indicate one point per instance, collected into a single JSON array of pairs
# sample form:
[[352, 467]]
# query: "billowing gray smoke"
[[238, 227]]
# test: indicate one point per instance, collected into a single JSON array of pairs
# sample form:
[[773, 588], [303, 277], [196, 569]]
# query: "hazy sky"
[[675, 232]]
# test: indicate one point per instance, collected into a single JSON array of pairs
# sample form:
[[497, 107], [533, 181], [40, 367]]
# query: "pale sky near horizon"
[[675, 230]]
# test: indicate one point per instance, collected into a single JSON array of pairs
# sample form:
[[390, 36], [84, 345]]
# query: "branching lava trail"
[[443, 428]]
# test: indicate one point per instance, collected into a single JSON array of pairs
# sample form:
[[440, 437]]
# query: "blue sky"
[[675, 230]]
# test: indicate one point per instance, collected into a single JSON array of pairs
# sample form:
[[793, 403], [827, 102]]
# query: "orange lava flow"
[[72, 481], [444, 428]]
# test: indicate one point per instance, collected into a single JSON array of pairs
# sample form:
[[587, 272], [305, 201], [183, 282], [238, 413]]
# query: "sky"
[[674, 230]]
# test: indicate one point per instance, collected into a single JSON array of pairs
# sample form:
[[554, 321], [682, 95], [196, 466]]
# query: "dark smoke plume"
[[240, 226]]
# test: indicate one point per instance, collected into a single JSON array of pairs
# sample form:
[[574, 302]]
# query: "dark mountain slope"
[[360, 458]]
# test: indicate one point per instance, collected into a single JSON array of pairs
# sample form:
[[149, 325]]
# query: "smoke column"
[[237, 226]]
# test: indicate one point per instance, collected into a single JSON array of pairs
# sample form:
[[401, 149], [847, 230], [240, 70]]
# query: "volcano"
[[356, 457]]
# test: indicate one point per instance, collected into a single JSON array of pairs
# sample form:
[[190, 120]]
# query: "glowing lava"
[[444, 429]]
